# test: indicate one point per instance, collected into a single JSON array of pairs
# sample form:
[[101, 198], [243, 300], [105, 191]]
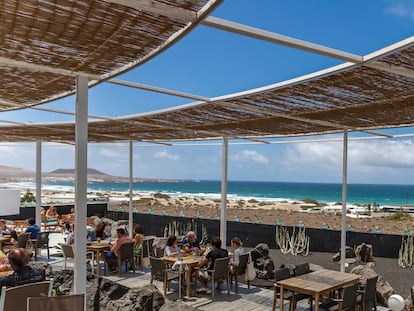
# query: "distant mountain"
[[91, 171], [9, 171], [16, 174]]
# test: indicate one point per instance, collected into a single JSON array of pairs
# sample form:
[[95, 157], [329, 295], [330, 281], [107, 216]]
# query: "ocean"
[[396, 195]]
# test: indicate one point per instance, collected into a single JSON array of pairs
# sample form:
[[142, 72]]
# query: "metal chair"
[[15, 298], [240, 270], [126, 255], [23, 240], [346, 302], [367, 298], [61, 303], [160, 272], [42, 242], [281, 274], [301, 269], [220, 272]]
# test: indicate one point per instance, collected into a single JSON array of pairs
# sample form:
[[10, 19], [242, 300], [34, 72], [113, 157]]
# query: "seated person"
[[138, 239], [171, 249], [3, 227], [4, 262], [52, 214], [33, 229], [70, 238], [190, 243], [98, 232], [215, 253], [111, 257], [23, 274], [237, 245]]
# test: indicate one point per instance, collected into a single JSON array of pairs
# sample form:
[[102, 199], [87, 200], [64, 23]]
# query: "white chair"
[[15, 298]]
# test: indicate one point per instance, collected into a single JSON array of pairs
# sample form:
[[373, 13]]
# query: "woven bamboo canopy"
[[46, 44]]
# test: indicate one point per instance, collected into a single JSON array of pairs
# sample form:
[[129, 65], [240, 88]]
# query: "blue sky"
[[210, 62]]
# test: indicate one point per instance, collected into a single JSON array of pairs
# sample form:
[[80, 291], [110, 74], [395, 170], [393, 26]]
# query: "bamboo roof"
[[45, 44], [374, 93]]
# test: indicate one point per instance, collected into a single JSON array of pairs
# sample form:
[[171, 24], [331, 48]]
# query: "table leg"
[[189, 272], [282, 294], [316, 302], [98, 262]]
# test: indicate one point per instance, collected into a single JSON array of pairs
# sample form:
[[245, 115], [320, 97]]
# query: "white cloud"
[[401, 10], [249, 155], [165, 155], [362, 155], [110, 153]]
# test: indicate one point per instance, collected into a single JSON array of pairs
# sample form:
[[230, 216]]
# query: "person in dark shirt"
[[33, 229], [209, 261], [23, 274], [190, 243]]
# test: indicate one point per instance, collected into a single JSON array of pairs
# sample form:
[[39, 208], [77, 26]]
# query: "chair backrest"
[[43, 239], [126, 251], [15, 298], [370, 291], [61, 303], [243, 259], [282, 274], [412, 295], [349, 295], [221, 268], [301, 269], [157, 268], [147, 246], [67, 250], [22, 240]]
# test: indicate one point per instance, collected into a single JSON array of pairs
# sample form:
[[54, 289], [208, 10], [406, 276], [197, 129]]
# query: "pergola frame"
[[366, 93]]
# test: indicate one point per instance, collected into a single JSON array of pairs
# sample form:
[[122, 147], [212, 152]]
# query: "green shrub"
[[399, 216], [161, 195]]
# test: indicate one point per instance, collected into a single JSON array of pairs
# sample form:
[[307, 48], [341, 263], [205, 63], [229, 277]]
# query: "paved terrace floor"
[[255, 298]]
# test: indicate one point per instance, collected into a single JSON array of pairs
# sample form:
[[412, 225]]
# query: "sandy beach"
[[289, 214], [246, 211]]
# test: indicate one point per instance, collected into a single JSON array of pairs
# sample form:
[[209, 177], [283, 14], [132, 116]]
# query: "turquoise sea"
[[397, 195]]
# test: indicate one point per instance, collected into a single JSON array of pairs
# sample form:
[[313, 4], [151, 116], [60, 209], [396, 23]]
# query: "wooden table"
[[190, 261], [98, 248], [317, 283]]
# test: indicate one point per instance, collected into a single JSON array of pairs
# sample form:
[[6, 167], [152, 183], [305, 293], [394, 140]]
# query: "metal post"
[[131, 186], [38, 182], [223, 213], [81, 168], [344, 189]]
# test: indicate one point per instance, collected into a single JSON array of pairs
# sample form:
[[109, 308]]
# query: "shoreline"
[[251, 211]]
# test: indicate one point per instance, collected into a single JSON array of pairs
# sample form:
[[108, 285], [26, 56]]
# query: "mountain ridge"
[[17, 174]]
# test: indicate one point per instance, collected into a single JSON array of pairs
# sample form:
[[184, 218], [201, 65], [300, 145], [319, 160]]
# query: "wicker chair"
[[281, 274], [160, 272], [346, 302], [42, 242], [220, 272], [61, 303], [367, 298], [240, 270]]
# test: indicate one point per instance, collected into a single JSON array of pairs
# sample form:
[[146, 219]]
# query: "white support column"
[[81, 169], [223, 213], [38, 182], [344, 199], [131, 186]]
